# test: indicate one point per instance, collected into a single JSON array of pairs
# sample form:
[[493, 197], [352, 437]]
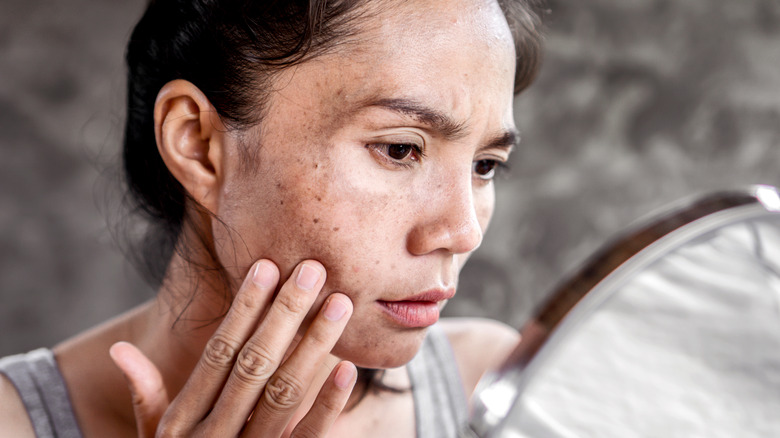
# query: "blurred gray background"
[[639, 103]]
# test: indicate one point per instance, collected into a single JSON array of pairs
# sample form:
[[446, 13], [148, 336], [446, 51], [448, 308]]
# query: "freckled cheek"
[[342, 216], [354, 245], [267, 216], [345, 230]]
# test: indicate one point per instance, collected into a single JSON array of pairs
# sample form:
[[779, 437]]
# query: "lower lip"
[[412, 314]]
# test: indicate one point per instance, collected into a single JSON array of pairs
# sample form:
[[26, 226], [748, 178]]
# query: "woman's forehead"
[[416, 51], [432, 24], [457, 65]]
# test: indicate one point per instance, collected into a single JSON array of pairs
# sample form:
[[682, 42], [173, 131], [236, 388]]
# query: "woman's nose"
[[448, 221]]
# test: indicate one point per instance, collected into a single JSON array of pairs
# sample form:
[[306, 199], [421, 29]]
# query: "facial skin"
[[434, 75]]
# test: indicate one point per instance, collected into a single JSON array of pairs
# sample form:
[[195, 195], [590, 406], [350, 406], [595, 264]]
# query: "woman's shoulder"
[[33, 393], [480, 345], [14, 420]]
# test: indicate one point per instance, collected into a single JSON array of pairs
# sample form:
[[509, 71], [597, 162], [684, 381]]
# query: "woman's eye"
[[486, 169], [399, 151], [398, 154]]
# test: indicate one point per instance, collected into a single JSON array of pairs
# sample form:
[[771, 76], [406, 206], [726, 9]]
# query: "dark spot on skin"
[[316, 220], [316, 166], [376, 262], [336, 228], [281, 202], [319, 198]]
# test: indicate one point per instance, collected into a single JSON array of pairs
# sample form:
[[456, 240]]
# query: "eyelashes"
[[400, 154], [407, 155], [487, 169]]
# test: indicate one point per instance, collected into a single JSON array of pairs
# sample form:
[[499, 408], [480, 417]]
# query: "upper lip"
[[433, 295]]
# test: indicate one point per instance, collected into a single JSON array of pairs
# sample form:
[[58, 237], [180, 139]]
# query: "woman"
[[316, 173]]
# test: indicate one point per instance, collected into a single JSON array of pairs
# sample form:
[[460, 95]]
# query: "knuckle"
[[305, 430], [321, 339], [292, 304], [283, 392], [169, 430], [253, 364], [219, 352], [172, 425], [138, 399], [331, 404], [247, 302]]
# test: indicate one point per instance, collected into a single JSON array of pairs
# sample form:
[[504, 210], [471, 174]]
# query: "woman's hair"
[[230, 50]]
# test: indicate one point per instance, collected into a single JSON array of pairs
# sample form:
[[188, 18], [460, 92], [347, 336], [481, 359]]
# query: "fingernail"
[[334, 310], [308, 277], [344, 376], [264, 275]]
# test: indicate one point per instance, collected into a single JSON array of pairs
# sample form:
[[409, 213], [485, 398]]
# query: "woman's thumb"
[[150, 399]]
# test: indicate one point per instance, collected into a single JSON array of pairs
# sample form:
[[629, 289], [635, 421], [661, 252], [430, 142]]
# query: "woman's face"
[[376, 160]]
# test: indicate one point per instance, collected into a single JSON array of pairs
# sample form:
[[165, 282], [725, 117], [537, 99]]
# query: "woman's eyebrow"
[[438, 121], [508, 140], [443, 124]]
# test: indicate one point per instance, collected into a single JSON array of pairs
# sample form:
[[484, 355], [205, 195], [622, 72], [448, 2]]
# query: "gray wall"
[[639, 103]]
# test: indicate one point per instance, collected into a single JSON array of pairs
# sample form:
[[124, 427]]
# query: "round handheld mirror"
[[672, 330]]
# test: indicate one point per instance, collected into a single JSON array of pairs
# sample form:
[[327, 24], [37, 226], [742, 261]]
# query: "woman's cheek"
[[349, 233], [309, 220], [331, 207]]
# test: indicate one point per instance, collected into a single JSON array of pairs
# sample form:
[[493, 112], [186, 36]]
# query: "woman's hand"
[[242, 384]]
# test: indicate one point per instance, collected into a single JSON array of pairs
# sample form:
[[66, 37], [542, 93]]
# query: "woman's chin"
[[383, 353]]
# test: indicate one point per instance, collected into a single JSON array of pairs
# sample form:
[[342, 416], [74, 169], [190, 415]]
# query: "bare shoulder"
[[14, 421], [480, 345]]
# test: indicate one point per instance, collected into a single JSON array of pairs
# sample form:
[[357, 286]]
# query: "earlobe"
[[189, 137]]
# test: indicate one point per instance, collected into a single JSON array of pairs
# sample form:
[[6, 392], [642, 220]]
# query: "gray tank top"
[[42, 389], [440, 404], [439, 401]]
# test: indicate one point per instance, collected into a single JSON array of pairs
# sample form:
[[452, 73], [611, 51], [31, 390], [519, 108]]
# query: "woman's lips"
[[412, 314], [416, 311]]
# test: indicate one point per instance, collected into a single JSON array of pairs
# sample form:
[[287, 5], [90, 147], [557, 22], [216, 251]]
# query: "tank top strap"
[[42, 390], [440, 404]]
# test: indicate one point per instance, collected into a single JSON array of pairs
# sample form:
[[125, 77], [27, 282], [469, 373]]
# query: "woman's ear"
[[190, 138]]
